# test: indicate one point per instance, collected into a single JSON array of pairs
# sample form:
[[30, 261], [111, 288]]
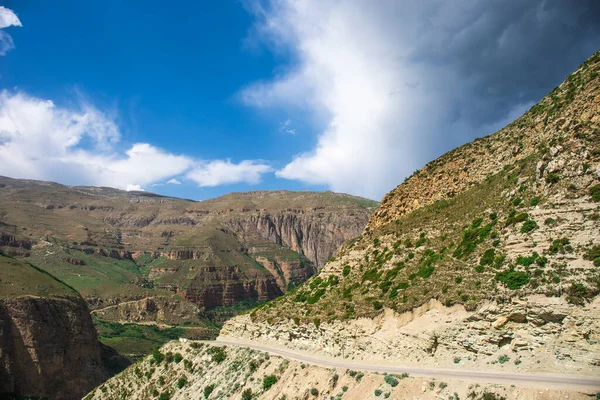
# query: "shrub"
[[535, 201], [426, 271], [514, 218], [164, 396], [181, 382], [443, 385], [527, 261], [157, 355], [269, 381], [247, 394], [488, 257], [177, 358], [595, 193], [377, 305], [457, 360], [513, 279], [314, 392], [577, 293], [208, 390], [550, 221], [458, 279], [346, 270], [376, 242], [344, 388], [529, 226], [552, 178], [592, 254], [378, 392], [503, 359], [562, 246], [218, 354], [390, 380]]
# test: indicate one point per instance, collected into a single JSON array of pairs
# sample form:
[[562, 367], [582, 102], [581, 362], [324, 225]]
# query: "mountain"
[[138, 257], [487, 259], [47, 338]]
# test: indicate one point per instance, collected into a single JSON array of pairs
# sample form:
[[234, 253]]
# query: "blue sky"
[[227, 96]]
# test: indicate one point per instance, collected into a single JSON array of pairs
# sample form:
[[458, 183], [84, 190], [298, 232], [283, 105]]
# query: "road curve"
[[528, 380]]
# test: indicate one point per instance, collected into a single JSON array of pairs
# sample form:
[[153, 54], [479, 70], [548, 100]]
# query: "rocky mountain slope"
[[488, 254], [192, 370], [48, 344], [114, 245]]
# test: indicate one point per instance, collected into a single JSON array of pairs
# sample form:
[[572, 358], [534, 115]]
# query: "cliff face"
[[48, 343], [316, 235], [212, 287]]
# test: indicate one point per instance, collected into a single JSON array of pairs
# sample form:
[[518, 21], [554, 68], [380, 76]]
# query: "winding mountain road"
[[528, 380]]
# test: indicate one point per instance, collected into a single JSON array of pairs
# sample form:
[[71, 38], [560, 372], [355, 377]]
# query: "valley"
[[481, 269]]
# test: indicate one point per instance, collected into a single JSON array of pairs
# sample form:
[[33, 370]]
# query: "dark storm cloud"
[[404, 81]]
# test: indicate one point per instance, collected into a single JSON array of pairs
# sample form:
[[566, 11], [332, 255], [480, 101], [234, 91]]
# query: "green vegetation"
[[595, 193], [208, 390], [390, 380], [562, 246], [218, 354], [503, 359], [269, 381], [247, 394], [529, 226], [513, 279]]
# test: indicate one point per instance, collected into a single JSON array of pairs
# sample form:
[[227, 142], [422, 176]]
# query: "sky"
[[196, 99]]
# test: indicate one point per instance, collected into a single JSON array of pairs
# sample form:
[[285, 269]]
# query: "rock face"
[[434, 334], [212, 287], [48, 344], [159, 309], [318, 236]]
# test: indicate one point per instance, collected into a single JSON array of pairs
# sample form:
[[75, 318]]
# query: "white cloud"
[[137, 188], [39, 140], [219, 172], [7, 18], [286, 126], [398, 83], [173, 182]]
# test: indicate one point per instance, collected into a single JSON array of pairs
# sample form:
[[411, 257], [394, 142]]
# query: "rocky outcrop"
[[159, 309], [48, 348], [437, 335], [316, 235], [212, 287], [287, 273]]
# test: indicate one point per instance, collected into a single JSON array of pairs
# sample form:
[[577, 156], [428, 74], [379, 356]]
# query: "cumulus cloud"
[[397, 83], [136, 188], [7, 18], [219, 172], [173, 182], [39, 140]]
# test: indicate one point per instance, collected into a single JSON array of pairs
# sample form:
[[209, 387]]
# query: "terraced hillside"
[[491, 250]]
